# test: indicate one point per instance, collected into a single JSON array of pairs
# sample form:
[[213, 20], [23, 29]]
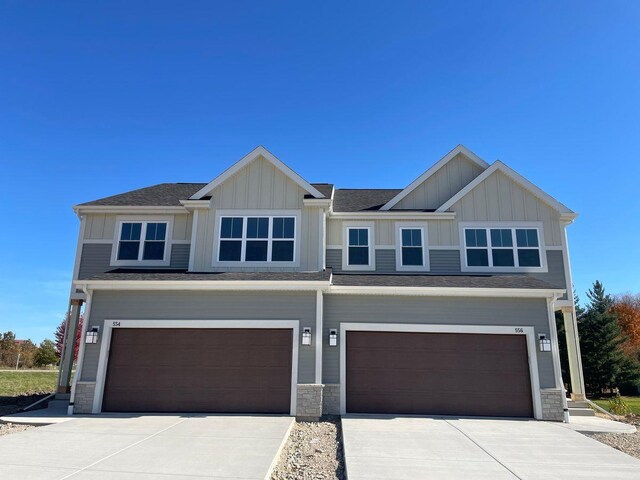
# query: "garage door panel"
[[199, 370], [437, 373]]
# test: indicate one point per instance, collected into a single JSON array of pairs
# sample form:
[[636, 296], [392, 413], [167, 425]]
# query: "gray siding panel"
[[444, 261], [95, 259], [385, 261], [555, 275], [127, 305], [180, 255], [334, 259], [432, 310]]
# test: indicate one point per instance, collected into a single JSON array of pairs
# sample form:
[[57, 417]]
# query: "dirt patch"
[[7, 428], [9, 405], [628, 443], [313, 451]]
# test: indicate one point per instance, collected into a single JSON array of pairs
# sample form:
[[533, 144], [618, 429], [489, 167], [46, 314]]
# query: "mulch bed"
[[9, 405], [313, 451]]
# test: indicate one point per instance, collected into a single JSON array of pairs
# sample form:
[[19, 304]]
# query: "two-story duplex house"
[[262, 292]]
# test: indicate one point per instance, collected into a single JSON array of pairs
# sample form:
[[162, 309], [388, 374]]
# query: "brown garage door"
[[199, 370], [438, 374]]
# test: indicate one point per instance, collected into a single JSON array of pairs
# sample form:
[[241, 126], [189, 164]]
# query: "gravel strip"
[[628, 443], [312, 452], [7, 428]]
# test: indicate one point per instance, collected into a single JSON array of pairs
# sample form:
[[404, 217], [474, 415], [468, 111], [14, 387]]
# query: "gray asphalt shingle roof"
[[123, 274], [168, 194], [444, 281], [360, 200]]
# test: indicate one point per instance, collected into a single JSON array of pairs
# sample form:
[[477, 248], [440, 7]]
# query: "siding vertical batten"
[[319, 336], [194, 237]]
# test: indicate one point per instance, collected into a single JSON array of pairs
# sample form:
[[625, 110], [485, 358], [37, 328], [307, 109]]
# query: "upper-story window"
[[503, 248], [257, 239], [358, 250], [141, 242], [411, 249]]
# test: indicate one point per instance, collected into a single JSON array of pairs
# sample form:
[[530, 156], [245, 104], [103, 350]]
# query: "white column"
[[573, 351], [68, 349], [319, 335]]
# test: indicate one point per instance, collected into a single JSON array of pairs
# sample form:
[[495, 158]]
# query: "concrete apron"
[[394, 448], [147, 447]]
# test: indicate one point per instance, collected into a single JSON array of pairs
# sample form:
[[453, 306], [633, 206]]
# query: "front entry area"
[[463, 374], [212, 370]]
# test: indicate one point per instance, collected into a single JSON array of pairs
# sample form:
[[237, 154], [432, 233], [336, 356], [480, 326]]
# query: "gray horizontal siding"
[[96, 258], [124, 305], [432, 310], [334, 259], [180, 255], [444, 261], [385, 261], [555, 275]]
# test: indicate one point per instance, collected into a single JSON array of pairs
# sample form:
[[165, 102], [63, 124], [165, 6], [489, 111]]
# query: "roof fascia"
[[516, 177], [143, 209], [247, 159], [200, 285], [431, 171]]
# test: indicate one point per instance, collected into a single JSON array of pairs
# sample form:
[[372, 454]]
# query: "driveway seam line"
[[484, 449], [123, 449]]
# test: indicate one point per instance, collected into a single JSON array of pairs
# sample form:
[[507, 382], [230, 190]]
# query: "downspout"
[[85, 323]]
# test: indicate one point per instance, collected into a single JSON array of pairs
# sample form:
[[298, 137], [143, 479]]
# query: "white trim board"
[[437, 166], [246, 160], [516, 177], [110, 324], [421, 328]]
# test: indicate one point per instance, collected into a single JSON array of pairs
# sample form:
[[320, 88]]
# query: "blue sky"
[[97, 98]]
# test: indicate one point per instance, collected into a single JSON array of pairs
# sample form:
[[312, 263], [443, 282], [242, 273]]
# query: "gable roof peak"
[[458, 149], [257, 152]]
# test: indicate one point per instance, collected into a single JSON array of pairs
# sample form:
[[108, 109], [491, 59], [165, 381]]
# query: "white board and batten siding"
[[259, 187]]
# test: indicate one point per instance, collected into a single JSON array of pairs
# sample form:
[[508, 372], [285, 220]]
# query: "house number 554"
[[115, 324]]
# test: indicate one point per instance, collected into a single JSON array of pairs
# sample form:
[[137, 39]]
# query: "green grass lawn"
[[632, 402], [27, 383]]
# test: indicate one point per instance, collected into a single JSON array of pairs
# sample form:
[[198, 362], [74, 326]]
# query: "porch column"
[[573, 352], [68, 348]]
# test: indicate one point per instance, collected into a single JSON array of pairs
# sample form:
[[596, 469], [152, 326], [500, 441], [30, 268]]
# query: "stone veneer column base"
[[331, 399], [309, 402], [552, 404], [83, 401]]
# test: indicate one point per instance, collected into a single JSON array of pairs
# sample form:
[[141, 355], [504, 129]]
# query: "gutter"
[[263, 285]]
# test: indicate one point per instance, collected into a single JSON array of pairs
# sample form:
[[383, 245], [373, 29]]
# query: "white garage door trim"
[[109, 325], [478, 329]]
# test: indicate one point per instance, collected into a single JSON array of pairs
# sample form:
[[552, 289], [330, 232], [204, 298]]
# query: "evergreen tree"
[[46, 354], [604, 363]]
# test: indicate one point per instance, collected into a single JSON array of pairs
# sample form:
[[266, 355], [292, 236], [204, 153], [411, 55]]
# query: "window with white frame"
[[358, 246], [411, 247], [142, 241], [500, 247], [257, 239]]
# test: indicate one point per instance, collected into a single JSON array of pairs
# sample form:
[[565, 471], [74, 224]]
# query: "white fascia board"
[[393, 215], [247, 159], [200, 285], [196, 203], [143, 210], [437, 166], [317, 202], [448, 291], [516, 177]]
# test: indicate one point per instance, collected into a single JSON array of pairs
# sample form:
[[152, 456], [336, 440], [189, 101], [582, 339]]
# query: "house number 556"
[[518, 330]]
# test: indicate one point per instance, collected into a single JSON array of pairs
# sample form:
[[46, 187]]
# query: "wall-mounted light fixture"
[[306, 336], [545, 343], [333, 337], [92, 335]]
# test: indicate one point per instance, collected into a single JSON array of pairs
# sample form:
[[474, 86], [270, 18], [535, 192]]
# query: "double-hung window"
[[143, 242], [411, 251], [257, 239], [502, 248], [358, 250]]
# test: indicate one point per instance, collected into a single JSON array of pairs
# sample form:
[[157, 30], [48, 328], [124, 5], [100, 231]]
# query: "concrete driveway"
[[396, 448], [146, 447]]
